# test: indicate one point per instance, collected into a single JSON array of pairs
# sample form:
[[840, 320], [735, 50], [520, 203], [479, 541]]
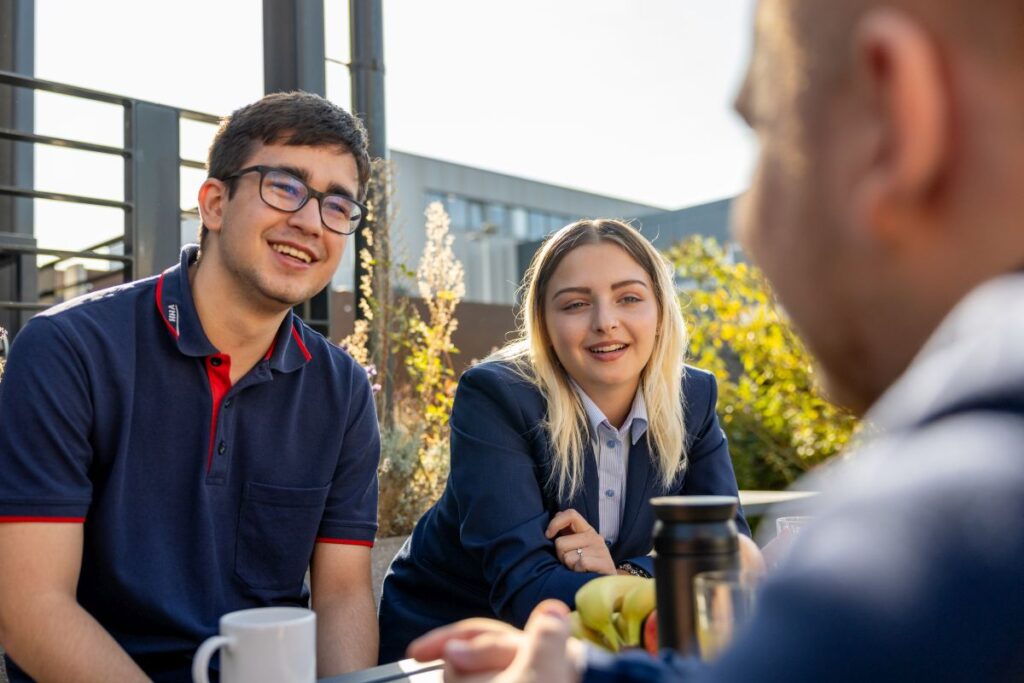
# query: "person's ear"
[[906, 98], [213, 195]]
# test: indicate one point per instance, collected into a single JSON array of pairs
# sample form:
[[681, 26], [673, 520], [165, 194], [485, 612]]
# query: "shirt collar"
[[176, 307], [635, 422], [972, 353]]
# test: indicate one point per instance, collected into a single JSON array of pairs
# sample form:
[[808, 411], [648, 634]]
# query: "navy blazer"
[[481, 551]]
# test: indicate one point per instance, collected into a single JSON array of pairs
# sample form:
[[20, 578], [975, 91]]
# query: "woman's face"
[[601, 316]]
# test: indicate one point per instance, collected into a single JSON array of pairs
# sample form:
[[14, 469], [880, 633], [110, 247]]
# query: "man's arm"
[[42, 626], [346, 618]]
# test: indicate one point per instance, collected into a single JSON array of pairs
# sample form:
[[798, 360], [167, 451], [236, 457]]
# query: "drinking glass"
[[723, 604], [791, 525]]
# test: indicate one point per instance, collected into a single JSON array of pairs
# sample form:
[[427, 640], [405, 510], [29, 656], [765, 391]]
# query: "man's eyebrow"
[[333, 188], [301, 173]]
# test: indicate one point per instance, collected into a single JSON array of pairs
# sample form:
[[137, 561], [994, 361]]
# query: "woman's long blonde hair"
[[533, 357]]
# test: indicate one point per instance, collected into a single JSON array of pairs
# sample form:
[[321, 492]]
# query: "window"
[[457, 211], [476, 216], [497, 215], [538, 223], [520, 226]]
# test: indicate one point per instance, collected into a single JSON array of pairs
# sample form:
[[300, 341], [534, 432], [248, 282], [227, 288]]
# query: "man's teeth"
[[607, 349], [291, 251]]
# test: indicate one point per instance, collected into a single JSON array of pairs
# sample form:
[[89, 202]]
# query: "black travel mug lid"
[[695, 508]]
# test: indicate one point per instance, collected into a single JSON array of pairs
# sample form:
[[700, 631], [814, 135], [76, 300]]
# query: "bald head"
[[892, 157]]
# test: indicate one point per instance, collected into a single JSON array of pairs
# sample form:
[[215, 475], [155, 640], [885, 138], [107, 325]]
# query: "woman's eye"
[[573, 305], [630, 299]]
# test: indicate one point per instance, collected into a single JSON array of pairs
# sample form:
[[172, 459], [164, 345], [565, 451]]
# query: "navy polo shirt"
[[197, 497]]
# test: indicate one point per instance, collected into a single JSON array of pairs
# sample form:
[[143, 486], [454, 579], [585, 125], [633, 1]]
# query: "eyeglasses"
[[281, 190]]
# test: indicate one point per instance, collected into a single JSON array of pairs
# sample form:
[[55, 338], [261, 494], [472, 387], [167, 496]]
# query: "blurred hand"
[[750, 556], [572, 534], [477, 650], [777, 548]]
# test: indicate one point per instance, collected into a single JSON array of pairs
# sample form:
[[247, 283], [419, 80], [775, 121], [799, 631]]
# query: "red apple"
[[649, 635]]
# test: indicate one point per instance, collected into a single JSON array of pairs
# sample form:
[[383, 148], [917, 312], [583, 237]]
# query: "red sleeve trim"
[[344, 541], [65, 520]]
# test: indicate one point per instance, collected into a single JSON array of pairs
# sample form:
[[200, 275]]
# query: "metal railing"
[[150, 232], [151, 204]]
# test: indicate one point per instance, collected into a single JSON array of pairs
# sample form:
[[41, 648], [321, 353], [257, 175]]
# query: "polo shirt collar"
[[177, 309], [635, 422]]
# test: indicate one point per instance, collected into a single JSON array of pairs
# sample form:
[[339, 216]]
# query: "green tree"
[[778, 422]]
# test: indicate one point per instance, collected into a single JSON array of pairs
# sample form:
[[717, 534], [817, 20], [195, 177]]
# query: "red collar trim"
[[160, 306], [302, 347]]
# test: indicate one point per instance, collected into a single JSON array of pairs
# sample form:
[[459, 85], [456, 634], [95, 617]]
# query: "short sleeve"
[[46, 417], [350, 516]]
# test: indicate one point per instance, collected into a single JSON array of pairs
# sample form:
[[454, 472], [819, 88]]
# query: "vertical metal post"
[[293, 46], [366, 32], [19, 278], [152, 186], [293, 59]]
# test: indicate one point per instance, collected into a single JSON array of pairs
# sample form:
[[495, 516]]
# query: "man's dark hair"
[[288, 118]]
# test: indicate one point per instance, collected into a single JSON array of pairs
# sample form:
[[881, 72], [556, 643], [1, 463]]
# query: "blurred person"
[[559, 440], [886, 210], [184, 446]]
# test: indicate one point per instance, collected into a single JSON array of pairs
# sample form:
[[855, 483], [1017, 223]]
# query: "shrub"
[[778, 423], [414, 398]]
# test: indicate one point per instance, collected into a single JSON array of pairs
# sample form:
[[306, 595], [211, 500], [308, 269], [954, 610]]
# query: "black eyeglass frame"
[[310, 194]]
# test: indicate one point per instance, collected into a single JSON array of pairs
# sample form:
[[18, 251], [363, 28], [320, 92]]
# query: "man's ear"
[[908, 96], [213, 195]]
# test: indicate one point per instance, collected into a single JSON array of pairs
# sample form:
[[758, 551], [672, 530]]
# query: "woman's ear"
[[213, 195]]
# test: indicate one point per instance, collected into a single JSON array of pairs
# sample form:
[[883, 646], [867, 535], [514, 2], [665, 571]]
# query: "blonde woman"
[[560, 439]]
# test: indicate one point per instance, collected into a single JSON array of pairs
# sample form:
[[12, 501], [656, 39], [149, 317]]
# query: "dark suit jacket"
[[481, 550]]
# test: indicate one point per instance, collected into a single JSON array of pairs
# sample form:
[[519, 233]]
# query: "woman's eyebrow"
[[571, 290], [626, 283]]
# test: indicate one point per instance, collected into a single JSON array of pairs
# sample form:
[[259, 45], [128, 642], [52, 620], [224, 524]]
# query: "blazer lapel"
[[585, 500], [638, 486]]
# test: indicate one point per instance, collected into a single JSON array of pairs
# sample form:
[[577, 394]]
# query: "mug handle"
[[201, 662]]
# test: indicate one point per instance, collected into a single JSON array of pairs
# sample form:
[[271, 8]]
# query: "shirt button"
[[221, 448], [227, 403], [611, 443], [215, 362], [610, 493]]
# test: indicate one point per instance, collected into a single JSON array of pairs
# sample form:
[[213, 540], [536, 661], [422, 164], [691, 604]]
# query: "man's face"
[[791, 219], [279, 259]]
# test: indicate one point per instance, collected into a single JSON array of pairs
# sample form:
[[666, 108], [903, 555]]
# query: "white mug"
[[262, 645]]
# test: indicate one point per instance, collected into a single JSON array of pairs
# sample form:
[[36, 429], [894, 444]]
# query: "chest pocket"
[[277, 529]]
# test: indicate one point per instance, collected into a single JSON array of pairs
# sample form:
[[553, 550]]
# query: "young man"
[[184, 446], [886, 210]]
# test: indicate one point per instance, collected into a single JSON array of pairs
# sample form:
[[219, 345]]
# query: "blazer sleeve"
[[709, 470], [495, 477]]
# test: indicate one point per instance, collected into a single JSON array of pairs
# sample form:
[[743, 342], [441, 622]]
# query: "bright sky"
[[630, 99]]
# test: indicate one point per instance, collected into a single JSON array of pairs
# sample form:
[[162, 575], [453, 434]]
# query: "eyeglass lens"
[[286, 192]]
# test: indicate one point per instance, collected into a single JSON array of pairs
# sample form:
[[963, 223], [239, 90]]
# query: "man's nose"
[[308, 218]]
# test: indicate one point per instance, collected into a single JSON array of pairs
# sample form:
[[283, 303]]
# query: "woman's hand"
[[578, 545], [751, 559]]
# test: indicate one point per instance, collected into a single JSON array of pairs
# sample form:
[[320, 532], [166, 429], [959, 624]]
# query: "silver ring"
[[579, 552]]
